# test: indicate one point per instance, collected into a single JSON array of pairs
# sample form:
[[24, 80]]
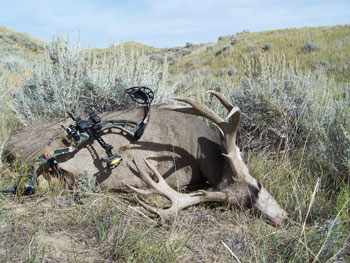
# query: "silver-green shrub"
[[70, 79], [291, 112], [267, 46], [308, 46]]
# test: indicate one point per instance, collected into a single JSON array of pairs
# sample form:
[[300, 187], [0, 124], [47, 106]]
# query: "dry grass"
[[331, 45], [51, 227]]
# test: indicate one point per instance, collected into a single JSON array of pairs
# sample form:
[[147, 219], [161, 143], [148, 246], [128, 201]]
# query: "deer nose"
[[280, 220]]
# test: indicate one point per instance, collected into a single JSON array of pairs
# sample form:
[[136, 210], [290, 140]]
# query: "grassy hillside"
[[23, 41], [303, 49], [19, 53], [293, 88]]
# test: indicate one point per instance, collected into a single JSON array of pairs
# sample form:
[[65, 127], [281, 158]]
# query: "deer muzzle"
[[270, 208]]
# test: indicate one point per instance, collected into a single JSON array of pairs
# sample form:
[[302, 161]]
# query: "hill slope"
[[305, 48]]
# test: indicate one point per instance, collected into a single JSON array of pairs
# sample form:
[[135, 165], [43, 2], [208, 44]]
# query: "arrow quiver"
[[82, 130]]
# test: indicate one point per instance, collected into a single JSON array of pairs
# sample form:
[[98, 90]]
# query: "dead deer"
[[233, 183], [179, 149]]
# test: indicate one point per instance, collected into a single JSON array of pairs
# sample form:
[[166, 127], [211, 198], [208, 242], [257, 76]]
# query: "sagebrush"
[[71, 79]]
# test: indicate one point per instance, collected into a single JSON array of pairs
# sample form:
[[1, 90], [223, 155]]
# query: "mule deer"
[[185, 159]]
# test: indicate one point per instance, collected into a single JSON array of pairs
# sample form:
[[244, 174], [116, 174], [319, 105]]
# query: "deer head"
[[235, 185]]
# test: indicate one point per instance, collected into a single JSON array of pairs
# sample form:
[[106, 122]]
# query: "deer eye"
[[259, 186]]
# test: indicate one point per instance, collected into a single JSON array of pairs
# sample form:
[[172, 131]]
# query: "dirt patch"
[[60, 247]]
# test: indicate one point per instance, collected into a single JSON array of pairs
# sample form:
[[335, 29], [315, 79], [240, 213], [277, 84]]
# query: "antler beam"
[[179, 200]]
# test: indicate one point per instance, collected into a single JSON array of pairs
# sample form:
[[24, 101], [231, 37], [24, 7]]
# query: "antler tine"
[[161, 187], [182, 109], [233, 119], [140, 191], [150, 208], [222, 99], [197, 109], [234, 115], [235, 111]]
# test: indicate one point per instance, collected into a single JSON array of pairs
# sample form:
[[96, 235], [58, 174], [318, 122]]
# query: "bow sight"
[[92, 126]]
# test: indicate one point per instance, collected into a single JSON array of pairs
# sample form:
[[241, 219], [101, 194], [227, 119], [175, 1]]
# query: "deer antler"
[[228, 127], [179, 200]]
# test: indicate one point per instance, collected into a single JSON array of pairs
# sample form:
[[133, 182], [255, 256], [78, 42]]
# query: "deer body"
[[185, 161], [182, 160], [178, 147]]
